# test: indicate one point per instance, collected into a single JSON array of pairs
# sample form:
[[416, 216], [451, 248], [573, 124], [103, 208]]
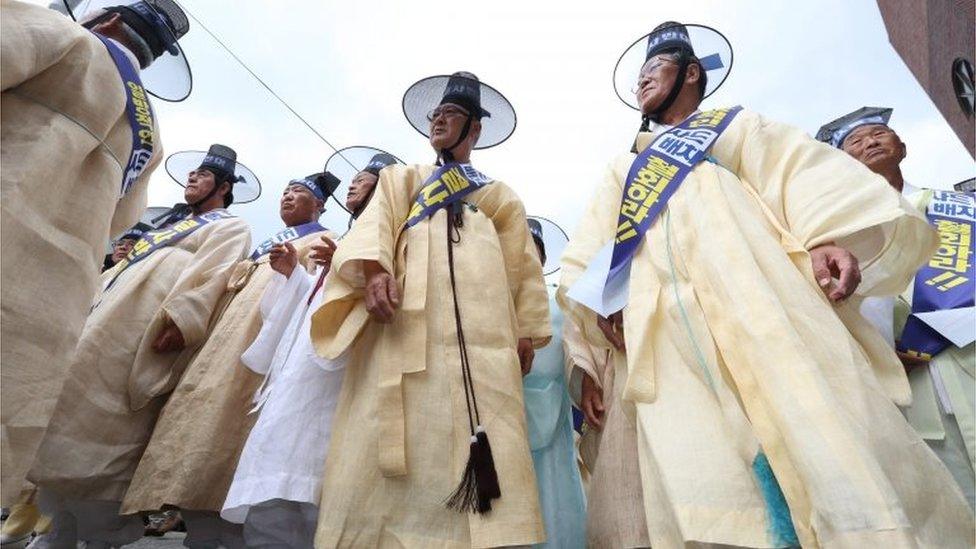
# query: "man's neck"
[[683, 107], [895, 178], [207, 206], [301, 222]]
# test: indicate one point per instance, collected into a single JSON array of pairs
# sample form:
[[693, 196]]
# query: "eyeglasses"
[[647, 71], [447, 111]]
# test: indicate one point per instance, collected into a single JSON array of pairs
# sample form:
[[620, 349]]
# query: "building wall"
[[930, 35]]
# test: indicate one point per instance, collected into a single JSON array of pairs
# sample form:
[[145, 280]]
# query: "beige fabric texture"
[[116, 384], [401, 438], [722, 283], [191, 457], [64, 138]]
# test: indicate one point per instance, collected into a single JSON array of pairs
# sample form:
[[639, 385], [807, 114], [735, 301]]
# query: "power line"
[[267, 87]]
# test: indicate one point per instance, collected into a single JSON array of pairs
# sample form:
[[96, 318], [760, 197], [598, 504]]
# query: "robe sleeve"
[[595, 229], [282, 298], [33, 39], [192, 300], [582, 359], [522, 265], [819, 195], [373, 236]]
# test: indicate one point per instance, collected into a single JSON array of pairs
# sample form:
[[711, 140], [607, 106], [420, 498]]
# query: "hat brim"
[[426, 94], [555, 240], [168, 77], [180, 164], [710, 47], [345, 164]]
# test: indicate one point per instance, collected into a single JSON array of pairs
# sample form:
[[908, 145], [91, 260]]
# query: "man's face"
[[121, 248], [299, 205], [447, 123], [876, 146], [359, 190], [654, 82], [198, 184]]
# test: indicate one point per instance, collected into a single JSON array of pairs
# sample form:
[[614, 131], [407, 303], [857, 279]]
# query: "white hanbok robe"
[[284, 455]]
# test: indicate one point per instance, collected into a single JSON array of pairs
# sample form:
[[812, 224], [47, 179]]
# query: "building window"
[[963, 83]]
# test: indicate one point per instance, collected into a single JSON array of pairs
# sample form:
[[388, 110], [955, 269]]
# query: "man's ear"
[[693, 74], [475, 132], [904, 150], [320, 204]]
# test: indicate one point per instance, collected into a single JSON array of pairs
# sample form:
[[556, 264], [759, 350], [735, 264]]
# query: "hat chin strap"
[[679, 83], [229, 179], [446, 153]]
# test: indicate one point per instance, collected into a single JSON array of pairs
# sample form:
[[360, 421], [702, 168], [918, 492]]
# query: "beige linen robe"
[[64, 138], [732, 348], [401, 438], [116, 384], [191, 457]]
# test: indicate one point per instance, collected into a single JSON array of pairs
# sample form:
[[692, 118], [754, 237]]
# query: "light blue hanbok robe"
[[550, 420]]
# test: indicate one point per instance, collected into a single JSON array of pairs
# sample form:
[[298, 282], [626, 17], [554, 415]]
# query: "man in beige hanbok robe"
[[65, 140], [144, 328], [401, 434], [943, 408], [744, 412], [190, 459]]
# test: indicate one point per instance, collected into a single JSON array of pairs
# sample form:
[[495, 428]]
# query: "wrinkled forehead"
[[867, 129]]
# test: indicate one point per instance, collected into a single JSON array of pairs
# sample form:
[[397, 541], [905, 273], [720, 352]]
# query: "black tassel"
[[485, 469], [465, 497], [479, 483]]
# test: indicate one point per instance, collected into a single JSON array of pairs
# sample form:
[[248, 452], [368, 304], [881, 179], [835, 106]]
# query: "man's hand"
[[831, 261], [910, 362], [382, 293], [613, 329], [322, 252], [283, 258], [591, 402], [170, 338], [525, 353]]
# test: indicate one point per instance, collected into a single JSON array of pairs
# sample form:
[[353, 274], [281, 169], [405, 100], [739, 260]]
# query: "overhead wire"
[[266, 86]]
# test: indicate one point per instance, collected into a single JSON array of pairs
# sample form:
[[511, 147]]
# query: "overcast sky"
[[345, 65]]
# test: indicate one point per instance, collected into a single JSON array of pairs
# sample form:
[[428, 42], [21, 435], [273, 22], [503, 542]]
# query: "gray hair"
[[140, 48]]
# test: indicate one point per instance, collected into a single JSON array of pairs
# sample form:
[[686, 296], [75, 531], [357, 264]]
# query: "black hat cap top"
[[221, 160], [668, 37], [378, 162], [327, 182], [463, 89], [159, 22]]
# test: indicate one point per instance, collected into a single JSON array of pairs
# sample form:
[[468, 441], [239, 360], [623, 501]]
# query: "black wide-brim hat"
[[711, 47], [169, 77], [345, 164], [554, 241], [497, 114], [246, 189]]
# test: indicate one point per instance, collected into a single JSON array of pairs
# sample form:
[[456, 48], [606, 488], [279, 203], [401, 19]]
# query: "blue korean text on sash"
[[286, 235], [166, 236], [947, 280], [140, 115], [447, 185], [656, 174]]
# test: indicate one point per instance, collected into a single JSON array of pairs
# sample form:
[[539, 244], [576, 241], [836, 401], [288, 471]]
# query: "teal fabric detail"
[[781, 527]]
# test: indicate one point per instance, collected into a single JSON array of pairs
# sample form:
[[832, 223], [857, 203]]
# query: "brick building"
[[935, 39]]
